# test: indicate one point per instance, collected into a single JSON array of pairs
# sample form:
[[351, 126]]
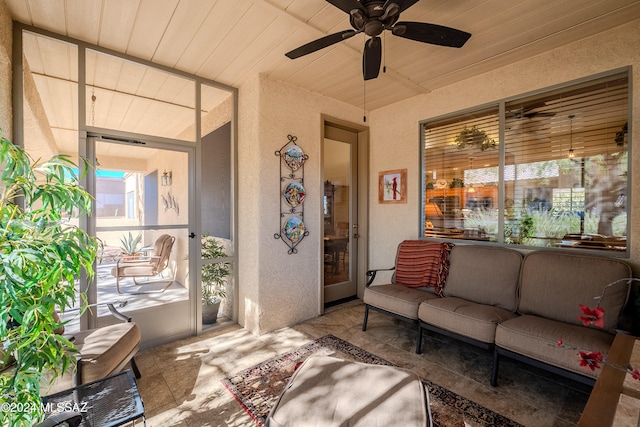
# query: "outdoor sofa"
[[521, 306]]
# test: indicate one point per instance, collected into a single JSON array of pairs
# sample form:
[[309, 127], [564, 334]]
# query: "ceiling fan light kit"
[[373, 17]]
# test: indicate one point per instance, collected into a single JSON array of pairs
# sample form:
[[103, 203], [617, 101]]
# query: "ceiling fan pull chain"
[[384, 54], [364, 101]]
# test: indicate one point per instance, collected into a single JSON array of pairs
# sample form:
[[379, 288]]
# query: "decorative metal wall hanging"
[[292, 194]]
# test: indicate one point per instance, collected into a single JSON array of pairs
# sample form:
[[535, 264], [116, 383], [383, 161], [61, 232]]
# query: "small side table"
[[108, 402], [603, 402]]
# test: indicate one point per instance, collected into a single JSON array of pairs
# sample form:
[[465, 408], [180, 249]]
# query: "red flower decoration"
[[591, 360], [592, 316], [636, 374], [559, 343]]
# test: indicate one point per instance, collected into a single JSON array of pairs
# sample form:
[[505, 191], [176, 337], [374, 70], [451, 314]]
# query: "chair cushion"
[[326, 391], [467, 318], [422, 263], [106, 350], [484, 274], [162, 250], [554, 284], [397, 299], [537, 338], [134, 269]]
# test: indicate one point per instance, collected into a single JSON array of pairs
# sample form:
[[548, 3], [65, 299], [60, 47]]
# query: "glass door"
[[340, 214], [140, 127], [142, 216]]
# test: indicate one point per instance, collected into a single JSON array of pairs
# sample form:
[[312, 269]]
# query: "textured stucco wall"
[[398, 124], [5, 70], [277, 289]]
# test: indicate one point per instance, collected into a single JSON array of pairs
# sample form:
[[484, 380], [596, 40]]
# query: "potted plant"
[[474, 136], [43, 255], [456, 183], [214, 278], [129, 246]]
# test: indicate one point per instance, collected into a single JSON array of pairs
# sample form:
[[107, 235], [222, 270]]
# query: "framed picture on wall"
[[392, 186]]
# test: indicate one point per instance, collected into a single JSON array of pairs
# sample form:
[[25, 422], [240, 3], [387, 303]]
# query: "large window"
[[550, 171]]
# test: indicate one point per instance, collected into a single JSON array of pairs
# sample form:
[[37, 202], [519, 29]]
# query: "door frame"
[[87, 150], [362, 199]]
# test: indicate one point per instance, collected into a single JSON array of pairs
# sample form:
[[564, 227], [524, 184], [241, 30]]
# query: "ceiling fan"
[[531, 111], [372, 17]]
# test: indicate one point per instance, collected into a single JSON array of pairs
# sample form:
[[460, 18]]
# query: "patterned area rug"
[[257, 388]]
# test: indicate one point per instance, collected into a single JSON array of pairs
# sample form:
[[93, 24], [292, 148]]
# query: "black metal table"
[[108, 402]]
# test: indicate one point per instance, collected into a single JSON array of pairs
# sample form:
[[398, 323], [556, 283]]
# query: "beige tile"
[[155, 392], [181, 380]]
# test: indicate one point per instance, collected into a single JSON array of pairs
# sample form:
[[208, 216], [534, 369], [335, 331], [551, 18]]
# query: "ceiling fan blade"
[[320, 43], [371, 58], [347, 5], [431, 33]]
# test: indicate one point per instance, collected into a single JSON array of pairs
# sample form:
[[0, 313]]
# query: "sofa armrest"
[[371, 274]]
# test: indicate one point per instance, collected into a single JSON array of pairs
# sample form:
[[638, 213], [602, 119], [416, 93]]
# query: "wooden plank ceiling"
[[230, 41]]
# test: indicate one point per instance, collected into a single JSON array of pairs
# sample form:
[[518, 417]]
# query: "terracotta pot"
[[130, 257]]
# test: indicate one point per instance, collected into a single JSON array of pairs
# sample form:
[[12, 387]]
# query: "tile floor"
[[181, 386]]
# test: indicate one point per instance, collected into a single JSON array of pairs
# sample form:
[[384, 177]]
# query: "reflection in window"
[[110, 198], [461, 160], [558, 178], [131, 203]]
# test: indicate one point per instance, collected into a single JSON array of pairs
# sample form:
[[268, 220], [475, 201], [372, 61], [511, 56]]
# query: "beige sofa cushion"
[[106, 350], [477, 321], [537, 338], [326, 391], [398, 299], [484, 274], [555, 283]]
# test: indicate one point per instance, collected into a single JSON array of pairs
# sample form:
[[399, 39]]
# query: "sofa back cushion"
[[422, 263], [484, 274], [555, 283]]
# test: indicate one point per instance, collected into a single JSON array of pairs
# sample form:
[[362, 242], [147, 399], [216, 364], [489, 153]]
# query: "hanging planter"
[[475, 137]]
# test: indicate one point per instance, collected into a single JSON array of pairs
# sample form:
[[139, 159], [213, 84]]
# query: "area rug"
[[257, 388]]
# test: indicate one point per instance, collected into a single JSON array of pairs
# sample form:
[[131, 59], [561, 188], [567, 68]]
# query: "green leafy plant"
[[130, 245], [456, 183], [42, 255], [485, 220], [214, 275], [474, 136], [527, 227]]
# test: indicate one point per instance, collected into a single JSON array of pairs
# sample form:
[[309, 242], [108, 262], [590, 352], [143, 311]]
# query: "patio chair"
[[146, 266], [105, 350], [102, 352]]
